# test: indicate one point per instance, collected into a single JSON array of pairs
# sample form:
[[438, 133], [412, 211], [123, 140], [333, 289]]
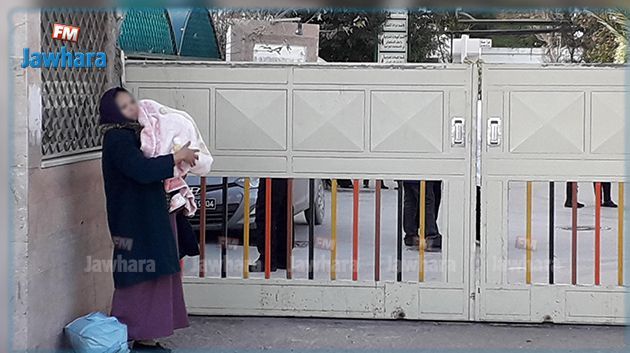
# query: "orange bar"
[[421, 230], [289, 227], [620, 236], [355, 230], [246, 205], [377, 232], [598, 215], [267, 228], [202, 229]]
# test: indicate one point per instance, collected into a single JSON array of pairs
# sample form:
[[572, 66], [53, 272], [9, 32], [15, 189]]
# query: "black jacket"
[[137, 210]]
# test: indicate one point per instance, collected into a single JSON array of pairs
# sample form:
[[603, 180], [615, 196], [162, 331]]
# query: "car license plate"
[[211, 204]]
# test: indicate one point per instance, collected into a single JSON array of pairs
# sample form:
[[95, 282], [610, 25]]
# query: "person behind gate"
[[411, 221], [278, 225]]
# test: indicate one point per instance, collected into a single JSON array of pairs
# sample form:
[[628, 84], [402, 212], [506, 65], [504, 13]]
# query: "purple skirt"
[[152, 309]]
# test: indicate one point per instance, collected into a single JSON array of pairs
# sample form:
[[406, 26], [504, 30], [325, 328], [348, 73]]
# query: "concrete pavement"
[[236, 334]]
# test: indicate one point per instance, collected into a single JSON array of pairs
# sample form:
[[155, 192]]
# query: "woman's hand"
[[188, 155]]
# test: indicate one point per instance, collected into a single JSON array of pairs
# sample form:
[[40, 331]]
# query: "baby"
[[164, 131]]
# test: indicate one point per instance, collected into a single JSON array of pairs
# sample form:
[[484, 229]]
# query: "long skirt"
[[152, 309]]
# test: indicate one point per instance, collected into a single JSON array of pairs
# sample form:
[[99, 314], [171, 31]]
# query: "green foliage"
[[351, 35], [426, 35], [346, 35], [610, 40]]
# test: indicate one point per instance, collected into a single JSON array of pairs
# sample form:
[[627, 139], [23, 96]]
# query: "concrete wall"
[[19, 181], [67, 226], [4, 214], [59, 220]]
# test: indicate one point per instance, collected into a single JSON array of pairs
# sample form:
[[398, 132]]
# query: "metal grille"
[[70, 96]]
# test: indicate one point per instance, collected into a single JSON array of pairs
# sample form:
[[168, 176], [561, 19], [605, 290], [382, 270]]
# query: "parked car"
[[236, 212]]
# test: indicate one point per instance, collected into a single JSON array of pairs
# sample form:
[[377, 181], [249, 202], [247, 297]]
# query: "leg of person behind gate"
[[278, 225], [410, 211], [606, 196], [433, 196]]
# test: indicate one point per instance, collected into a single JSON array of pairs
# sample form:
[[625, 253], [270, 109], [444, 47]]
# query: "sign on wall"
[[392, 44]]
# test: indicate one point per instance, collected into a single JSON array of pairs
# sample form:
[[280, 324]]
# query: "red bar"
[[267, 228], [598, 214], [377, 233], [574, 224], [202, 229], [355, 230], [289, 226]]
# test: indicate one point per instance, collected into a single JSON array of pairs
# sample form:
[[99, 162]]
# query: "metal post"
[[289, 227], [552, 221], [574, 224], [224, 195], [399, 233], [267, 228], [598, 216], [202, 229], [355, 230], [377, 232], [311, 228], [246, 206]]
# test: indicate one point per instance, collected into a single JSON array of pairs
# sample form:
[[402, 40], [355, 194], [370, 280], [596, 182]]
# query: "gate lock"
[[494, 131], [458, 132]]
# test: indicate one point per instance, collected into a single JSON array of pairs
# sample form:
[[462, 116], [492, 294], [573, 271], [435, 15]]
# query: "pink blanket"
[[164, 131]]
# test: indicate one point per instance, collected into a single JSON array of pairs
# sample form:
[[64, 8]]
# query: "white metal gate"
[[417, 122], [335, 121], [543, 127]]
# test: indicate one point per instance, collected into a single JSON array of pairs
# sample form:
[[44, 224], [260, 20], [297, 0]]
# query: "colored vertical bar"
[[620, 235], [598, 216], [377, 232], [311, 228], [267, 228], [399, 232], [333, 231], [202, 229], [289, 227], [421, 230], [552, 221], [246, 205], [224, 196], [355, 230], [528, 236], [574, 225]]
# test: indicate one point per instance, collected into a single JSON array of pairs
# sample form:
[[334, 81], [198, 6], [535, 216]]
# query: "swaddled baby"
[[164, 131]]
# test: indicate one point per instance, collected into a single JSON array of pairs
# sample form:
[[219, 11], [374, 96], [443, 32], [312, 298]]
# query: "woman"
[[148, 294]]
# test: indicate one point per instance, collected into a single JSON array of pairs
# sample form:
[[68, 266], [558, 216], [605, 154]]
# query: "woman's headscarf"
[[108, 109]]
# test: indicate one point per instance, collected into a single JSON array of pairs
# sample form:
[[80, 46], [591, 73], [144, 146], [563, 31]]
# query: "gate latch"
[[494, 131], [458, 132]]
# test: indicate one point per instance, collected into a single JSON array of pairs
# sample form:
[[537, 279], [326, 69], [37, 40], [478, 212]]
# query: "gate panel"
[[542, 259], [408, 122]]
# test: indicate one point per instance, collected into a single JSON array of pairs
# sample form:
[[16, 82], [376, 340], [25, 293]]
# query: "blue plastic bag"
[[97, 333]]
